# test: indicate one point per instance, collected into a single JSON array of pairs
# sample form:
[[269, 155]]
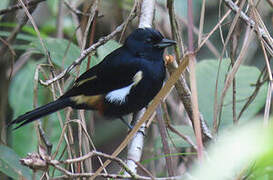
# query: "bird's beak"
[[165, 43]]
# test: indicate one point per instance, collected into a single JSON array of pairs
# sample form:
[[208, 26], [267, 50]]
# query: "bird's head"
[[148, 43]]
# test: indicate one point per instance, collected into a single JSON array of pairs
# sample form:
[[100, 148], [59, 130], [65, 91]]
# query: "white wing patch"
[[118, 96]]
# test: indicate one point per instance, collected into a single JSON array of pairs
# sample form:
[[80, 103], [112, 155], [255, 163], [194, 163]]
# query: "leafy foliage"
[[10, 164], [176, 139], [246, 151], [22, 93], [206, 72]]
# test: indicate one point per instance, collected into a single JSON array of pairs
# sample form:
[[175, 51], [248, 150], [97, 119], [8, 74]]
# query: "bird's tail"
[[40, 112]]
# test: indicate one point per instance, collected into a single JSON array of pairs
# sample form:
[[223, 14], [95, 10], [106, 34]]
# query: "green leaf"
[[19, 36], [10, 164], [25, 29], [206, 72], [244, 150], [4, 4], [107, 48], [175, 139], [64, 58], [60, 55], [24, 139]]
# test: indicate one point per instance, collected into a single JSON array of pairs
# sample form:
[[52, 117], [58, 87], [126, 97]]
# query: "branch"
[[15, 31], [136, 145], [192, 62], [166, 147], [147, 13], [19, 6], [42, 162], [258, 29], [86, 52]]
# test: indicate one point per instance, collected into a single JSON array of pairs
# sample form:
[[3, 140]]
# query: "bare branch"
[[19, 6], [85, 53]]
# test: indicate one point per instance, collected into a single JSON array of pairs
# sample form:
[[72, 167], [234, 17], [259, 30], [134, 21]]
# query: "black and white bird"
[[124, 82]]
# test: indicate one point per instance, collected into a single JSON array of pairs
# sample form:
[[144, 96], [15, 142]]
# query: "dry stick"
[[251, 98], [166, 147], [92, 37], [69, 141], [85, 53], [233, 52], [201, 22], [11, 38], [80, 165], [270, 87], [192, 61], [234, 69], [14, 33], [258, 20], [83, 126], [112, 176], [76, 21], [85, 142], [42, 137], [220, 27], [186, 138], [141, 167], [9, 72], [181, 85], [91, 154], [169, 126], [37, 31], [68, 138], [93, 10], [76, 11], [19, 6], [213, 30], [151, 108], [68, 174], [176, 35], [60, 18], [184, 94], [132, 12], [268, 104], [260, 30], [208, 43], [217, 112], [86, 145], [20, 62]]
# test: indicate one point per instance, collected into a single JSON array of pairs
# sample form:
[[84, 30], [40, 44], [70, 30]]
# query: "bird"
[[124, 82]]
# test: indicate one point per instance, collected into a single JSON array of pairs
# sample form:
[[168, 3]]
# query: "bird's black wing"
[[115, 71]]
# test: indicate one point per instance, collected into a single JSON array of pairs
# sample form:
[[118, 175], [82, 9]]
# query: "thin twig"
[[192, 62], [76, 11], [60, 19], [19, 6], [258, 29], [151, 108], [166, 147], [233, 71], [14, 33], [217, 107], [85, 53]]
